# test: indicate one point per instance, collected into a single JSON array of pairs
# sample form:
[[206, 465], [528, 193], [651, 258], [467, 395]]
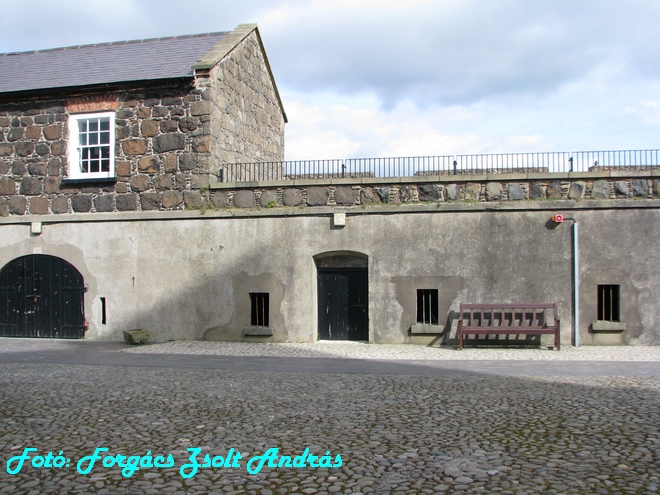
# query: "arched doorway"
[[343, 296], [41, 296]]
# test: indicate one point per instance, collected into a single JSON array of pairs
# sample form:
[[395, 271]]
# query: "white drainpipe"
[[576, 285]]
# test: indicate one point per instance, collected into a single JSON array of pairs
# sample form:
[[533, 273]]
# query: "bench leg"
[[460, 340], [557, 340]]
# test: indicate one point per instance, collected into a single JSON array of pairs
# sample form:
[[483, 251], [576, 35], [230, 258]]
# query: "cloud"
[[335, 126], [455, 51], [75, 22], [647, 111], [371, 78]]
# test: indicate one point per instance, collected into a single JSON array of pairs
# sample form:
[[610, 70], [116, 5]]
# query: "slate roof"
[[105, 63]]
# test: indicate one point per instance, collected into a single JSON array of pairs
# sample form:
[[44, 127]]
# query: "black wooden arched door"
[[41, 296], [343, 296], [343, 304]]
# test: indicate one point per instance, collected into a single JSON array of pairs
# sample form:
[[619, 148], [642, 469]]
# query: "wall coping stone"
[[322, 211], [224, 46]]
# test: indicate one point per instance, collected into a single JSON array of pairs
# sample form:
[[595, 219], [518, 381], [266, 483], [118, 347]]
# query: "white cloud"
[[647, 111], [370, 78]]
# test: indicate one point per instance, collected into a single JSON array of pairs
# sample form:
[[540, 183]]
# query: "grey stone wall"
[[641, 185], [247, 120], [169, 141], [468, 252], [162, 160]]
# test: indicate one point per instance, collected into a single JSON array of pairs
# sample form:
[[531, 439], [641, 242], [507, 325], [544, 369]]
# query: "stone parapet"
[[349, 192]]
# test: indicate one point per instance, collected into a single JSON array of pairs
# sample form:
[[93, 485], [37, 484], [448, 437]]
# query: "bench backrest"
[[508, 315]]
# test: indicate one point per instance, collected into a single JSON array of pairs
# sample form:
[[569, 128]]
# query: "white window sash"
[[76, 153]]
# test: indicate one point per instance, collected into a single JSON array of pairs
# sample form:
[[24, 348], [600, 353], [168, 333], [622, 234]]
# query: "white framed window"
[[92, 145]]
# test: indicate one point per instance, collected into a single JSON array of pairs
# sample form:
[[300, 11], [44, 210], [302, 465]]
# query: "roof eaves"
[[68, 90]]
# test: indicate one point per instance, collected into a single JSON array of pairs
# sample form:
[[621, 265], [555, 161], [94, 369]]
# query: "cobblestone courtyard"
[[413, 434]]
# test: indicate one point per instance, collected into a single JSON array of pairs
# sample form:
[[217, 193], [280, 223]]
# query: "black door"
[[343, 304], [41, 296]]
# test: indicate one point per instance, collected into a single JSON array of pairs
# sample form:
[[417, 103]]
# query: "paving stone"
[[292, 197], [554, 191], [493, 191], [452, 192], [429, 192], [600, 189], [268, 199], [397, 433], [345, 195], [515, 192], [405, 194], [244, 199], [383, 194], [576, 191], [640, 188], [368, 196], [622, 189], [317, 196]]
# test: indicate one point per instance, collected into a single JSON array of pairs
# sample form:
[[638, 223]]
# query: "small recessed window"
[[608, 303], [427, 306], [259, 311], [104, 318]]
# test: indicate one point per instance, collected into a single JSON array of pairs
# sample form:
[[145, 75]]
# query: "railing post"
[[427, 165]]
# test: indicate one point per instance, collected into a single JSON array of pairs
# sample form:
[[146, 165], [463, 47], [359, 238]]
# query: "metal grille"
[[259, 310], [427, 306], [608, 303]]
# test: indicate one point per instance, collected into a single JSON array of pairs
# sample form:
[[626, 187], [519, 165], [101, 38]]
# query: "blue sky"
[[367, 78]]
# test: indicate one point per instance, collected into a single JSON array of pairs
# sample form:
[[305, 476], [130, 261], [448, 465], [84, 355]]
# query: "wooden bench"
[[508, 319]]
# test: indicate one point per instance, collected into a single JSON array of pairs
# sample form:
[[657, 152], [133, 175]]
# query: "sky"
[[388, 78]]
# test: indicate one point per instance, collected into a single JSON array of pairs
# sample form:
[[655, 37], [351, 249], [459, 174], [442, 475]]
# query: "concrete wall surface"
[[186, 275]]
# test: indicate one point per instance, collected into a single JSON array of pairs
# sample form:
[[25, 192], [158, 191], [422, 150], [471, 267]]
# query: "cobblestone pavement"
[[351, 350], [408, 434], [357, 350]]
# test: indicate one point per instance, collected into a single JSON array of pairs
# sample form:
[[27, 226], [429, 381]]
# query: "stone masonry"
[[248, 111], [159, 132], [427, 190], [169, 139]]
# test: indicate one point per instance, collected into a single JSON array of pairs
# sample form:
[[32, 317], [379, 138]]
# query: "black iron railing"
[[501, 163]]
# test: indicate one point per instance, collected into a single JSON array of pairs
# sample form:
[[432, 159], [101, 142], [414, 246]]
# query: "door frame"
[[61, 302], [341, 260]]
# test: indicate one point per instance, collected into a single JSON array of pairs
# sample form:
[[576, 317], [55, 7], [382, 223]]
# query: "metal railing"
[[500, 163]]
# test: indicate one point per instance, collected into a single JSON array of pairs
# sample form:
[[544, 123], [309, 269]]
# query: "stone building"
[[186, 221], [133, 126]]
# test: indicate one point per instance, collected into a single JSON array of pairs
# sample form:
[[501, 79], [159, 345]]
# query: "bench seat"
[[508, 319]]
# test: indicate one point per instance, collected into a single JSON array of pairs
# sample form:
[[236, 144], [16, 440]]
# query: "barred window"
[[608, 303], [259, 310], [427, 306]]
